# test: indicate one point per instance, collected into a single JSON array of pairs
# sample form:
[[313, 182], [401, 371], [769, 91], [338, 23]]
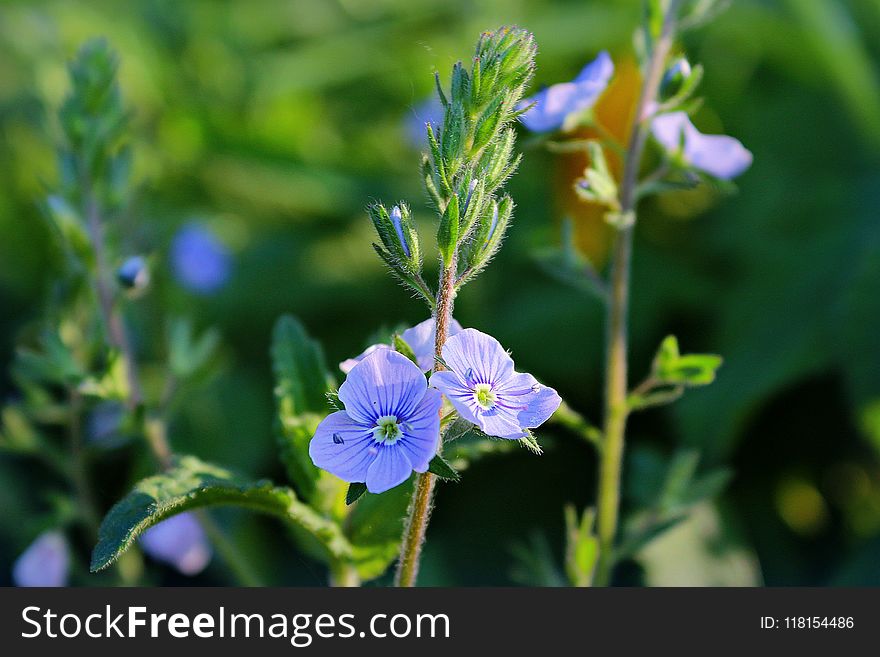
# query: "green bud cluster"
[[470, 156]]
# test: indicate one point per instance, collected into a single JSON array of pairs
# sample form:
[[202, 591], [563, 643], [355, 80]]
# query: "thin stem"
[[344, 575], [78, 471], [112, 319], [616, 410], [423, 495]]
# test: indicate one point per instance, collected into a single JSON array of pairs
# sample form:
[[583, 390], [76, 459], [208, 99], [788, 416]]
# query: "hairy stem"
[[616, 411], [423, 495]]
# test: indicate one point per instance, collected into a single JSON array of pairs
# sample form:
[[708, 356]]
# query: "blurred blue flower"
[[718, 155], [180, 542], [420, 339], [428, 111], [484, 388], [553, 105], [390, 426], [201, 262], [46, 562]]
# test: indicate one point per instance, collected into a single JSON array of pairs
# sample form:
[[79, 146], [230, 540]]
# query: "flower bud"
[[134, 274], [675, 78]]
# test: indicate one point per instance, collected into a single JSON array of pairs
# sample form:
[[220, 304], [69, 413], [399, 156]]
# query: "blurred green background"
[[274, 123]]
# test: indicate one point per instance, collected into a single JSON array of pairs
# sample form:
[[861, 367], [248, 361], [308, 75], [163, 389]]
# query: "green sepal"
[[355, 491], [440, 467], [402, 347], [447, 231]]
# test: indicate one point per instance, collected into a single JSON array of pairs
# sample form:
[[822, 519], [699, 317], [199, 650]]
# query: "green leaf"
[[671, 368], [582, 546], [192, 484], [442, 469], [302, 384], [302, 379], [355, 491], [188, 353]]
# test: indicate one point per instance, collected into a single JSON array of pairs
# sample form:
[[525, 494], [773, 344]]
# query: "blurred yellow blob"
[[801, 506], [614, 113]]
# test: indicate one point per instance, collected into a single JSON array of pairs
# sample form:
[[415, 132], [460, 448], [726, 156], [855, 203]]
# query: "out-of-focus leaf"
[[301, 386], [186, 352], [582, 546]]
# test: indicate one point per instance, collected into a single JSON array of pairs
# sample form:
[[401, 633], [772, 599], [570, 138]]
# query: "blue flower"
[[420, 338], [178, 541], [201, 262], [45, 562], [428, 111], [390, 426], [484, 388], [718, 155], [556, 103]]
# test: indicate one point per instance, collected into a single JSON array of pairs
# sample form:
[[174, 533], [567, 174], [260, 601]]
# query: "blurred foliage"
[[275, 123]]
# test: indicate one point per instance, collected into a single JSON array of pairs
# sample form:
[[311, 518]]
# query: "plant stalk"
[[422, 500], [616, 410]]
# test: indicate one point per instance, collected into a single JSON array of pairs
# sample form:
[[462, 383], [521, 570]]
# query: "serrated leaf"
[[192, 484], [442, 469], [355, 491]]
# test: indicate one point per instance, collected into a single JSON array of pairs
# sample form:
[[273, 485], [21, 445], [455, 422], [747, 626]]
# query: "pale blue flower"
[[718, 155], [46, 562], [180, 542], [420, 338], [390, 426], [553, 105], [201, 262], [484, 388]]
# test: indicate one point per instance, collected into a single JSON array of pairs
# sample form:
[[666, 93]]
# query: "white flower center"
[[484, 395], [387, 430]]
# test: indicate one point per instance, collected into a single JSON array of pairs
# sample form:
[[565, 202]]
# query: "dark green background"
[[276, 122]]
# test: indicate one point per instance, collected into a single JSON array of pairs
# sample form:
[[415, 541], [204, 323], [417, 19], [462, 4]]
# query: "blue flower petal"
[[347, 365], [555, 103], [390, 468], [383, 383], [178, 541], [421, 339], [342, 447], [421, 431], [718, 155], [477, 357], [537, 402], [45, 562]]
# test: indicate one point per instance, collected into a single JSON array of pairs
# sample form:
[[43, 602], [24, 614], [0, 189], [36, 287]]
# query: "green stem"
[[616, 410], [423, 495], [244, 574], [343, 574]]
